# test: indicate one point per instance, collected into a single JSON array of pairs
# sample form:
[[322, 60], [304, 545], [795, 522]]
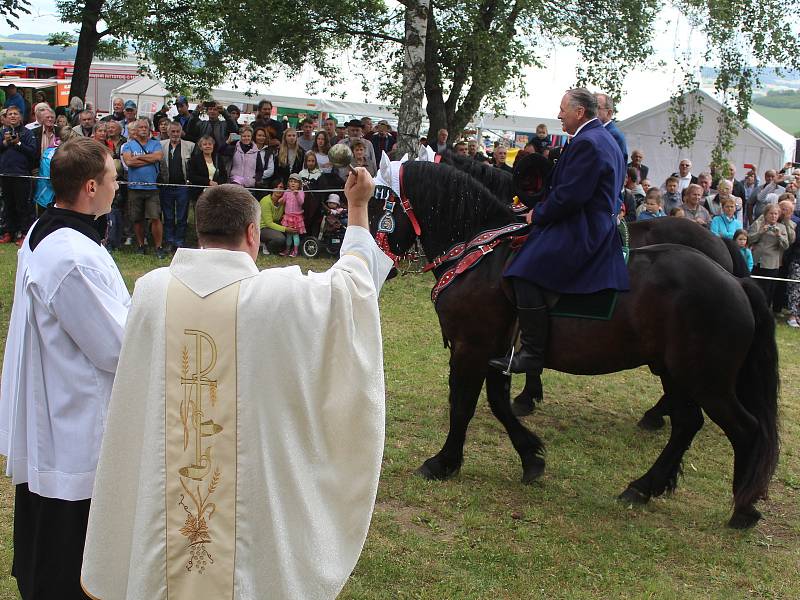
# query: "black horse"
[[647, 233], [650, 326], [529, 178]]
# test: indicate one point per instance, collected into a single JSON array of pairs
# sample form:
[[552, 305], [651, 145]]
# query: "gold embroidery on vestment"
[[201, 442], [192, 416]]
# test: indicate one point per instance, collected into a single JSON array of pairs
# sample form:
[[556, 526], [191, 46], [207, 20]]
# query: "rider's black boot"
[[533, 325]]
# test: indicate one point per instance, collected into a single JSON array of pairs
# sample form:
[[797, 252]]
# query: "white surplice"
[[64, 336], [309, 413]]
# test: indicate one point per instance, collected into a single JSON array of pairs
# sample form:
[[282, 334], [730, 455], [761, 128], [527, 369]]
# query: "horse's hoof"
[[651, 422], [532, 471], [433, 470], [523, 406], [634, 496], [744, 518]]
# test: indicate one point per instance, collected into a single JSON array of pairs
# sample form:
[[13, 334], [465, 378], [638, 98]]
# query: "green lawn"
[[484, 535], [787, 119]]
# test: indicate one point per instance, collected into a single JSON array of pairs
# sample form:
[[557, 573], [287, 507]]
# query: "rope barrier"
[[182, 185], [775, 278]]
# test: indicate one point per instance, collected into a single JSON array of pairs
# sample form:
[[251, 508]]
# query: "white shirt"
[[67, 320], [684, 182], [578, 130]]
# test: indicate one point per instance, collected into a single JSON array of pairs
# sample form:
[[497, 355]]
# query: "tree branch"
[[373, 35]]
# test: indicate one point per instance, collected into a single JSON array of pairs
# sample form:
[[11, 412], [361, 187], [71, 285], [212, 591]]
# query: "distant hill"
[[769, 79], [779, 99], [32, 48], [28, 36]]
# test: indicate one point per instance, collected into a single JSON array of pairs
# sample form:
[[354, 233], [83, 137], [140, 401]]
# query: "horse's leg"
[[526, 401], [741, 429], [686, 420], [466, 381], [526, 443], [653, 419]]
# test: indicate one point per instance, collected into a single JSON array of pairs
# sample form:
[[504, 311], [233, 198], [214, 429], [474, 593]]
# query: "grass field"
[[483, 535], [787, 119]]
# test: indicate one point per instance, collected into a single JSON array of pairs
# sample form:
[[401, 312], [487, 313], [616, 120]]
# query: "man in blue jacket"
[[18, 155], [573, 246], [605, 114], [14, 98]]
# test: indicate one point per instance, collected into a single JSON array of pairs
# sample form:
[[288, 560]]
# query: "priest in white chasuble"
[[245, 431], [64, 339]]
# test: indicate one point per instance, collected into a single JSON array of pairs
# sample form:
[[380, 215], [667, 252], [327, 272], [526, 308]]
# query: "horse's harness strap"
[[482, 239], [471, 258], [407, 208]]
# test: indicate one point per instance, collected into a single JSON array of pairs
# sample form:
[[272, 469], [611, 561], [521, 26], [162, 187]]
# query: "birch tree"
[[411, 113]]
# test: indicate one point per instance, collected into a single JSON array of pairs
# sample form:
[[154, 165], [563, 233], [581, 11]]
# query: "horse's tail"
[[739, 265], [757, 388]]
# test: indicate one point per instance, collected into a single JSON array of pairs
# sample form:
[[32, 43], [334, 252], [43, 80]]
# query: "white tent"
[[149, 94], [761, 143], [516, 123]]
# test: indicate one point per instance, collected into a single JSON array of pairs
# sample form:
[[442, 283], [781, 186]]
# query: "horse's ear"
[[385, 167], [404, 159]]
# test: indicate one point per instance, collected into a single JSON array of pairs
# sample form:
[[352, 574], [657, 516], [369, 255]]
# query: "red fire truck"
[[54, 81]]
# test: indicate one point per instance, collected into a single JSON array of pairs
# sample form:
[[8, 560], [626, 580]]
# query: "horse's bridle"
[[386, 224]]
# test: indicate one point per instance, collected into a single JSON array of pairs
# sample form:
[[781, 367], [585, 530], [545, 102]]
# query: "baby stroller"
[[331, 232]]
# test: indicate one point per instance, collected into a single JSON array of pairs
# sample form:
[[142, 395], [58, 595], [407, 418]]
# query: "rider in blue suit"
[[573, 246]]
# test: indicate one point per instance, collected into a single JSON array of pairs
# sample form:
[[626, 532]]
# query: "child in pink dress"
[[293, 215]]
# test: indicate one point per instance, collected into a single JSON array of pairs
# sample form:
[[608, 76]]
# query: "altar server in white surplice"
[[64, 338], [245, 432]]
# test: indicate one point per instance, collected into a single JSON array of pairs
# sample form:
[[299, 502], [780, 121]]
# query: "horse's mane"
[[450, 205], [499, 182]]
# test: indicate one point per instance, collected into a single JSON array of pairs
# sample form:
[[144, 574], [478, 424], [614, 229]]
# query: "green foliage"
[[683, 123], [110, 50], [11, 10], [742, 37], [611, 38], [478, 51], [779, 99], [194, 46], [107, 49], [63, 39], [728, 125]]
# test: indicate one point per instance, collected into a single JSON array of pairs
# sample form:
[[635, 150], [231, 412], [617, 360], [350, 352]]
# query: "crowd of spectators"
[[761, 216], [167, 161]]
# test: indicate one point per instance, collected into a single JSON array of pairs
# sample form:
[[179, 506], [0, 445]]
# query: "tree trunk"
[[87, 44], [410, 112], [434, 93]]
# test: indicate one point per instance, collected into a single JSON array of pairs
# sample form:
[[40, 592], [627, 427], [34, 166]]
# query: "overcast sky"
[[643, 87]]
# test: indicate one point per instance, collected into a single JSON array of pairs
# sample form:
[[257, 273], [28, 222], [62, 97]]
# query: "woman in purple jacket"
[[244, 155]]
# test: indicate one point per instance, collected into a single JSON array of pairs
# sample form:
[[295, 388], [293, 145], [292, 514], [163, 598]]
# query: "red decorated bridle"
[[386, 224]]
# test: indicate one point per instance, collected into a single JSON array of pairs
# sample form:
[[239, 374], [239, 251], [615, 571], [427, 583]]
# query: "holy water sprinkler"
[[341, 156]]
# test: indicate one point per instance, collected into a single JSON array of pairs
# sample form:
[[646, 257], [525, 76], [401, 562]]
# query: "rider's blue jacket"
[[574, 246]]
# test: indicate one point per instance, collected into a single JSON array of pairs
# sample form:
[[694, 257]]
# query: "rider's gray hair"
[[586, 99]]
